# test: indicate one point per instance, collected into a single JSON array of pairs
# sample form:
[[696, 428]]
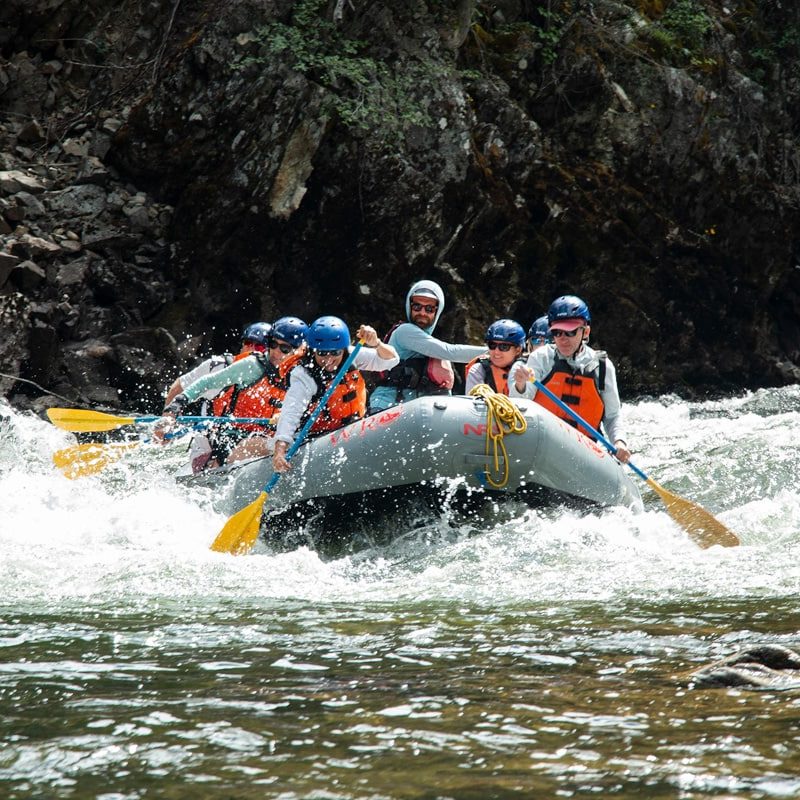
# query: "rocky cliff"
[[173, 169]]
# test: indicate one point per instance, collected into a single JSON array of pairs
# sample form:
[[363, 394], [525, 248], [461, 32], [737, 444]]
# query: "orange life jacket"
[[495, 378], [580, 391], [347, 403], [260, 399]]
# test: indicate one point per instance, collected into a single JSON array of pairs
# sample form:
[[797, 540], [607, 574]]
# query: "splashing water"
[[543, 653]]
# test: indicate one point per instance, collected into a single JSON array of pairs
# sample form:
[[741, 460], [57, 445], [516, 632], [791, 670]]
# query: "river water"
[[545, 657]]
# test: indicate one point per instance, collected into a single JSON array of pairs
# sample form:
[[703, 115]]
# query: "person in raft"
[[505, 339], [583, 378], [254, 338], [424, 367], [311, 374], [539, 333], [253, 386]]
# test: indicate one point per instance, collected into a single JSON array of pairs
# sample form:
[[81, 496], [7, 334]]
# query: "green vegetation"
[[681, 32], [766, 54], [366, 93], [512, 40], [549, 32], [687, 22]]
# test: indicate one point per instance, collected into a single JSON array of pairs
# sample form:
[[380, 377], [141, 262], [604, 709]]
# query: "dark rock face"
[[183, 168]]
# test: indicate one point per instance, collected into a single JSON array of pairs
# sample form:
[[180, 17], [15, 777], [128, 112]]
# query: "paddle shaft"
[[298, 440], [586, 426], [230, 420], [80, 420], [241, 530], [704, 529]]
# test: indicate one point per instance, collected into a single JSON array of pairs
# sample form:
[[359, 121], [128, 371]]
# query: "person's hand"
[[279, 461], [177, 406], [623, 454], [522, 375], [368, 335], [166, 424], [163, 427]]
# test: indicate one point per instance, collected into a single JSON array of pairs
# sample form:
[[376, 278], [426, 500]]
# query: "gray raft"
[[432, 441]]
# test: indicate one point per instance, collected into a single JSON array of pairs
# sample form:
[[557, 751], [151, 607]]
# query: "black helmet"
[[290, 329], [258, 332]]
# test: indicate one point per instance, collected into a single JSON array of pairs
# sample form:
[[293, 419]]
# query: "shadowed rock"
[[768, 666]]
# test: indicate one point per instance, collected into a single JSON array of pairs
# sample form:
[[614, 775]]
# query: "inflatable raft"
[[435, 446]]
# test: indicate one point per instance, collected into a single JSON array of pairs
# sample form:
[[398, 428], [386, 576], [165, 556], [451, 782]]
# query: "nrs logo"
[[477, 430]]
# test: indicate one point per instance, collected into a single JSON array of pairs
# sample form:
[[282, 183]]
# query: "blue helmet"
[[505, 330], [328, 333], [568, 306], [539, 332], [258, 332], [290, 329]]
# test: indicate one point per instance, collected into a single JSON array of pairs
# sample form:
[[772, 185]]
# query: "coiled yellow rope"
[[502, 417]]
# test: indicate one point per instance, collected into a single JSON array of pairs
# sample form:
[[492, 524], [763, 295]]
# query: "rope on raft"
[[502, 417]]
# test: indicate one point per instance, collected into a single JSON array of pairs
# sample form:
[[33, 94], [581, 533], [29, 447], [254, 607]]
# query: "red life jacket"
[[260, 399], [347, 403], [494, 377], [580, 391]]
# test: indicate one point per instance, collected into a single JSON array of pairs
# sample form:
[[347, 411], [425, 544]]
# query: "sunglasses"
[[326, 353], [539, 340], [260, 346], [557, 334], [504, 347], [282, 346], [429, 308]]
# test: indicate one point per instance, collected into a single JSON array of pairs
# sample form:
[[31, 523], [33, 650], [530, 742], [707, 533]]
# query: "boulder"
[[13, 181], [767, 666]]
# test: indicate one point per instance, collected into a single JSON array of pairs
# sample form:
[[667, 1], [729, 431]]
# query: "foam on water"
[[129, 536]]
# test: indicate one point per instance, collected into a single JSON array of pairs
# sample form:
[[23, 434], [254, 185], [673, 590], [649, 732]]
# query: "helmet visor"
[[568, 324]]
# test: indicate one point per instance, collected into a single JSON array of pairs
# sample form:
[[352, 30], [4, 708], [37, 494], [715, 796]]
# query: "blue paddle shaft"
[[585, 425], [247, 420], [298, 440]]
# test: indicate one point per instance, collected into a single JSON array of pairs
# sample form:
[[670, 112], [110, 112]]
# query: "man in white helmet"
[[424, 367]]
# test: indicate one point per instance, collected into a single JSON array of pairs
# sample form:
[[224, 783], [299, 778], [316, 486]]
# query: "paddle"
[[241, 531], [86, 459], [704, 529], [81, 460], [79, 420]]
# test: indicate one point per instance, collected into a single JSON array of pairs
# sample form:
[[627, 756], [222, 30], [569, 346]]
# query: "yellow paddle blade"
[[87, 459], [241, 530], [704, 529], [80, 420]]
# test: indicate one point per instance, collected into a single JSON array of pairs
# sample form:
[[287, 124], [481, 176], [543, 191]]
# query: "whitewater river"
[[545, 657]]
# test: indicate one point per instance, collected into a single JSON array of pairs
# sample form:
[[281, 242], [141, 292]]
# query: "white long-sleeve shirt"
[[541, 362], [302, 388]]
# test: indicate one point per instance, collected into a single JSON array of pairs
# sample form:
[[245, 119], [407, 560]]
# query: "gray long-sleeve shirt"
[[410, 341]]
